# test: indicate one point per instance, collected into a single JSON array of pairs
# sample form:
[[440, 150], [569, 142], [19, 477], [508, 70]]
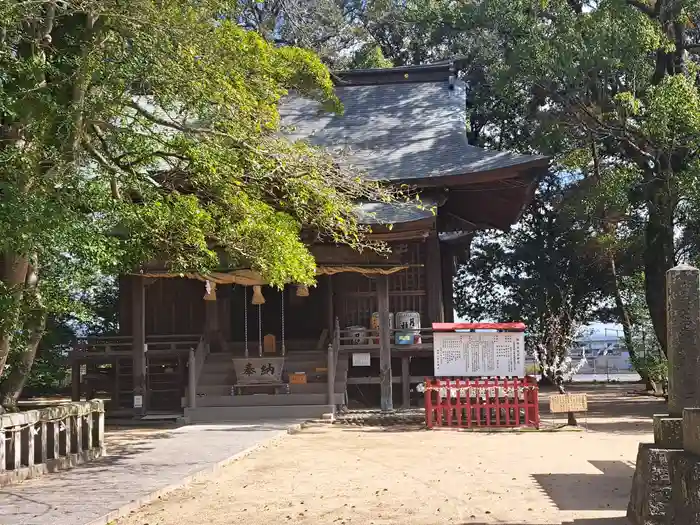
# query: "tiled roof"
[[382, 213], [396, 132]]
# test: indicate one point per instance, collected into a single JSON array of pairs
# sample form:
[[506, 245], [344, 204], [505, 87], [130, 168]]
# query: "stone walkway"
[[140, 463]]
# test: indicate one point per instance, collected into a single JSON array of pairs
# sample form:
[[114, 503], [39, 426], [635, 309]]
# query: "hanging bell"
[[210, 291], [302, 290], [258, 298]]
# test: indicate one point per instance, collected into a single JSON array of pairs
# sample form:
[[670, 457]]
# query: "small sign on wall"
[[138, 401], [364, 359]]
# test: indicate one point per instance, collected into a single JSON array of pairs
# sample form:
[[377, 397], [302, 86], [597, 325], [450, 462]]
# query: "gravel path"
[[372, 476]]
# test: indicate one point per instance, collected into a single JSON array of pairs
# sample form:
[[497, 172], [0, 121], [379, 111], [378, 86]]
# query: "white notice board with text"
[[477, 354]]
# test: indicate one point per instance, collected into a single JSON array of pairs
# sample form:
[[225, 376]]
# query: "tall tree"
[[555, 75], [133, 130], [541, 272]]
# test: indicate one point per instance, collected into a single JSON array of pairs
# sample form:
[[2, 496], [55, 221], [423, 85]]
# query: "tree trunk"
[[626, 323], [14, 275], [659, 255], [12, 387], [35, 324]]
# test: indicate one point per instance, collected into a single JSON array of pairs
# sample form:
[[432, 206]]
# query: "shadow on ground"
[[584, 521], [608, 490]]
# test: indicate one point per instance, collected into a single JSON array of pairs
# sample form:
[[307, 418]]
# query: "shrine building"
[[225, 346]]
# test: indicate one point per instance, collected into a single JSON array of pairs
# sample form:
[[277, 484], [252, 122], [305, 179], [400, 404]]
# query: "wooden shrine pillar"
[[330, 310], [433, 271], [138, 344], [385, 377], [448, 267], [406, 381], [211, 323], [75, 380]]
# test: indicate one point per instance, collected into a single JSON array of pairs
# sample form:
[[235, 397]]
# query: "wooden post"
[[138, 348], [192, 380], [433, 270], [116, 391], [330, 319], [384, 343], [211, 321], [406, 381], [447, 259], [75, 381], [331, 378]]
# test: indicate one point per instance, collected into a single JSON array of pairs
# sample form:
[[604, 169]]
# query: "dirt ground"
[[343, 475]]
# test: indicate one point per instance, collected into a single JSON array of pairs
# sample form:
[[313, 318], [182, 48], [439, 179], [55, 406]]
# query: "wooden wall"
[[173, 306], [304, 316], [356, 295], [177, 306]]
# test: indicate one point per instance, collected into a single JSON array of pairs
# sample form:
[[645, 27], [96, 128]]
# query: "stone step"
[[224, 377], [266, 400], [255, 413]]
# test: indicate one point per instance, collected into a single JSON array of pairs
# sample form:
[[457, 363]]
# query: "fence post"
[[101, 428], [56, 428], [3, 451], [30, 444], [17, 447], [78, 433], [68, 436], [44, 439], [427, 397], [331, 378], [89, 423]]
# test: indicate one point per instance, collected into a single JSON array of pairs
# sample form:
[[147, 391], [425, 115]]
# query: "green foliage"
[[369, 56], [652, 365], [540, 267], [609, 90], [134, 131]]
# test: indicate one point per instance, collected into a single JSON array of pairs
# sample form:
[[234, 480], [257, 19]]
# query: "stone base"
[[668, 431], [684, 470], [691, 430], [650, 498]]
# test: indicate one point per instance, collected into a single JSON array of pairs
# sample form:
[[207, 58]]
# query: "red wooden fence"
[[491, 402]]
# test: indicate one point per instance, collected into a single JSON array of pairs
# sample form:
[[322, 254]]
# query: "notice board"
[[479, 354]]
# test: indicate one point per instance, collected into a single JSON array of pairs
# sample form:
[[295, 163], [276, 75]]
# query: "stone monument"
[[666, 483]]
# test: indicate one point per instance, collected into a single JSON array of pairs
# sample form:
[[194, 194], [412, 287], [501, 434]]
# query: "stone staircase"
[[215, 403]]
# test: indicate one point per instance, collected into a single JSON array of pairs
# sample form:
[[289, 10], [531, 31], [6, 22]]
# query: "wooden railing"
[[39, 441], [347, 338], [195, 365], [122, 345]]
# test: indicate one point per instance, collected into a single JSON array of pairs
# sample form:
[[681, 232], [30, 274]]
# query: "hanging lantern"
[[302, 290], [258, 298], [210, 291]]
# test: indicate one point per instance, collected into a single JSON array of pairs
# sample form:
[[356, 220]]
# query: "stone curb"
[[125, 510]]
